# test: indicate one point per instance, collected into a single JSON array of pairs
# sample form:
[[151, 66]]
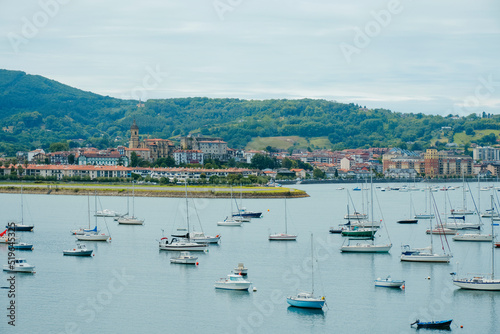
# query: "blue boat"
[[444, 324], [306, 300], [23, 246]]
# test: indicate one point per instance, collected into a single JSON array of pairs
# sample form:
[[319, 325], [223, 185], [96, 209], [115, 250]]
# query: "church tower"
[[134, 136]]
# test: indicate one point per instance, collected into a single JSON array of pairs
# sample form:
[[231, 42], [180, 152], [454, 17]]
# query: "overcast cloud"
[[435, 57]]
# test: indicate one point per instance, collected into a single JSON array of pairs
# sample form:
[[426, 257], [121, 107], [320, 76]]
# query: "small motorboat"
[[18, 227], [241, 270], [337, 230], [247, 213], [201, 238], [283, 236], [23, 246], [184, 258], [19, 266], [444, 324], [107, 213], [389, 282], [233, 282], [229, 222], [80, 250]]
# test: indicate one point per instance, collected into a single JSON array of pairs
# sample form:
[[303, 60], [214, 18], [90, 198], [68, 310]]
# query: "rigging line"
[[383, 220], [441, 234], [352, 202], [474, 202], [197, 215]]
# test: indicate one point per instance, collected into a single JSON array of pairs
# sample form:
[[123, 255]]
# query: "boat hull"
[[130, 221], [282, 237], [23, 246], [445, 324], [473, 237], [78, 252], [389, 284], [21, 228], [190, 247], [408, 221], [184, 261], [229, 223], [478, 284], [232, 286], [92, 237], [426, 258], [358, 233], [366, 248], [317, 303], [16, 269]]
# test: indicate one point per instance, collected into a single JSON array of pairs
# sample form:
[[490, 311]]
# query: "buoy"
[[267, 210], [403, 287], [428, 277], [254, 289], [461, 326], [197, 263]]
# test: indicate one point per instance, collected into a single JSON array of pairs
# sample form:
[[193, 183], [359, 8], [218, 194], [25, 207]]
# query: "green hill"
[[36, 111]]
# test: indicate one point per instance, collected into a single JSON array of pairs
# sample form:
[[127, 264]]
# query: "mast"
[[95, 200], [22, 206], [312, 265], [492, 243], [430, 220], [463, 192], [187, 209], [286, 225], [88, 206], [133, 200], [371, 199]]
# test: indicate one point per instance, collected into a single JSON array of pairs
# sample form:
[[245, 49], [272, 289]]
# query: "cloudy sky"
[[435, 57]]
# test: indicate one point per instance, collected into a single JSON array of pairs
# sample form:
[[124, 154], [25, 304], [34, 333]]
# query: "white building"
[[188, 157], [486, 153]]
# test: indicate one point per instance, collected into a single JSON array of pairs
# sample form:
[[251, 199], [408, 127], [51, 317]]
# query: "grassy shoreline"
[[151, 190]]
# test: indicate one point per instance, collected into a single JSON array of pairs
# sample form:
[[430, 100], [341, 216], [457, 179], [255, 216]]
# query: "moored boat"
[[306, 300], [184, 258], [23, 246], [19, 266], [80, 250], [473, 237], [241, 270], [389, 282], [19, 227], [201, 238], [444, 324], [233, 282], [180, 245]]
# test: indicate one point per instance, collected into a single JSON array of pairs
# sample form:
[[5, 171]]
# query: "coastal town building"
[[148, 149]]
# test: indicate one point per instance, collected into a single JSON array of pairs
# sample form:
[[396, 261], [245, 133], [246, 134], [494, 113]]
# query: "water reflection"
[[306, 312]]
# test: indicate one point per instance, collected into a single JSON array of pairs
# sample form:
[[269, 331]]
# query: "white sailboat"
[[92, 235], [184, 244], [130, 220], [230, 221], [360, 247], [424, 254], [483, 282], [307, 299], [463, 210], [283, 236], [409, 220], [426, 214]]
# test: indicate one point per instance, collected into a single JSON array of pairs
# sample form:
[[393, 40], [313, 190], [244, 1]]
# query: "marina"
[[153, 293]]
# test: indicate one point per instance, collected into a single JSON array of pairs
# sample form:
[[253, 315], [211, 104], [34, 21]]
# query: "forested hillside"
[[36, 111]]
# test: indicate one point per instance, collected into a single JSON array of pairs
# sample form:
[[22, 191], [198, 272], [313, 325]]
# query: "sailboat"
[[283, 236], [130, 220], [409, 220], [424, 254], [425, 215], [359, 247], [307, 299], [243, 214], [483, 282], [463, 211], [92, 235], [230, 221], [18, 227], [184, 244]]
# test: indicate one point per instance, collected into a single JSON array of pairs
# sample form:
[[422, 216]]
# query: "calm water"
[[129, 286]]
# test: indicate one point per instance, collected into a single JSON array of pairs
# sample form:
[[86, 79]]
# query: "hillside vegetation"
[[36, 111]]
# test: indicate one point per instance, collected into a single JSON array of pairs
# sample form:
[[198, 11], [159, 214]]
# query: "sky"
[[431, 57]]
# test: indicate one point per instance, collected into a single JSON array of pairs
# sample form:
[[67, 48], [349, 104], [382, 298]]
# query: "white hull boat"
[[107, 213], [80, 250], [7, 240], [130, 221], [463, 226], [365, 248], [233, 282], [19, 266], [184, 258], [283, 237], [93, 237], [242, 219], [473, 237], [306, 300], [201, 238], [478, 283], [424, 216], [356, 216], [229, 222], [389, 282], [365, 223], [426, 257], [176, 245]]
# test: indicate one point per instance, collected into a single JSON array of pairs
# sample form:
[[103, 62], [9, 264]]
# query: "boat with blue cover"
[[443, 324]]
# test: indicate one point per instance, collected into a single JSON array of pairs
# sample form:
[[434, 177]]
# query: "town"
[[201, 159]]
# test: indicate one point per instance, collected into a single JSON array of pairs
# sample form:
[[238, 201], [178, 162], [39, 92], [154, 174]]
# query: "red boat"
[[497, 245]]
